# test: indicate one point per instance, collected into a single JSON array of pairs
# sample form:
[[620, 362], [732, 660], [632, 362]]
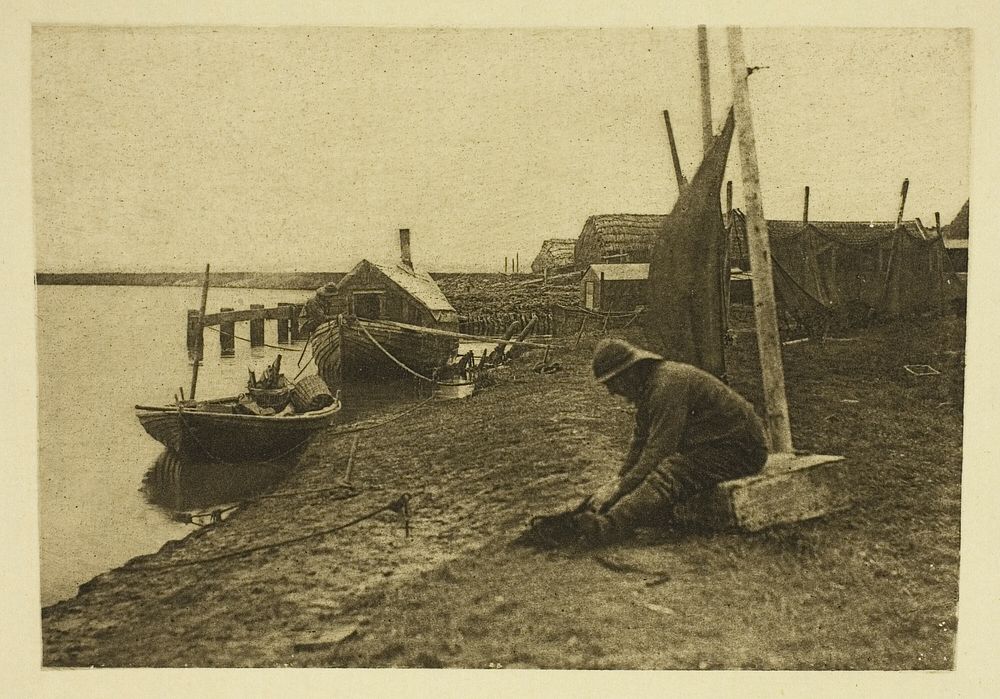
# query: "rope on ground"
[[400, 505], [217, 514], [391, 418], [580, 310]]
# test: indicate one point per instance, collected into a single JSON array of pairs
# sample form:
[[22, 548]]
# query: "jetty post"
[[257, 327], [194, 331], [227, 335], [283, 326]]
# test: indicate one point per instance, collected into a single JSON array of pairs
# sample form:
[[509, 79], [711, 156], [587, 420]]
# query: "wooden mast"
[[199, 351], [706, 91], [765, 315]]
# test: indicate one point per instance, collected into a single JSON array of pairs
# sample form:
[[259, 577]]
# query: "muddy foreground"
[[875, 587]]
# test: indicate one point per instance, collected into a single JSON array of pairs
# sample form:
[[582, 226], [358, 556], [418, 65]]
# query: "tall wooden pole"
[[765, 315], [200, 349], [681, 182], [706, 91], [902, 202]]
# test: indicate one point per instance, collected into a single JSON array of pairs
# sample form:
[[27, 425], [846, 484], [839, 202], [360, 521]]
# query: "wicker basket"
[[275, 398], [311, 393]]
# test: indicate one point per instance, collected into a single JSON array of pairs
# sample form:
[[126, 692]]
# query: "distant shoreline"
[[238, 280]]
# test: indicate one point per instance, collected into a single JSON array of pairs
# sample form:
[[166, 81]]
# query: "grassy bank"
[[873, 587]]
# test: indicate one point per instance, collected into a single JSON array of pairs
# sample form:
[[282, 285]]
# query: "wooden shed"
[[617, 239], [614, 287], [398, 292], [556, 254]]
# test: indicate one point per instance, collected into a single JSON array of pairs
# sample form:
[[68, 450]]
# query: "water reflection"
[[180, 484]]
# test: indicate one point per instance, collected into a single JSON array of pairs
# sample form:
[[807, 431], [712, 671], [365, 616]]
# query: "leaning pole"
[[765, 315]]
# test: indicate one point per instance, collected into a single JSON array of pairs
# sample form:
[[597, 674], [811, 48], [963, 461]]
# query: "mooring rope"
[[391, 418], [237, 337], [400, 505], [216, 514], [389, 355]]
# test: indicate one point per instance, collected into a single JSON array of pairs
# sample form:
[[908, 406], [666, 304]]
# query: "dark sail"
[[689, 270]]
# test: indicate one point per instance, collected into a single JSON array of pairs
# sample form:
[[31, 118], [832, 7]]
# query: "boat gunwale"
[[237, 417]]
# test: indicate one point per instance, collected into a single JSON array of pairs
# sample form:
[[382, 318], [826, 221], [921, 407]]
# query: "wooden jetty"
[[285, 314]]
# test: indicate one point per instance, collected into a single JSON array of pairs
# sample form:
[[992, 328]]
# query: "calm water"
[[102, 350]]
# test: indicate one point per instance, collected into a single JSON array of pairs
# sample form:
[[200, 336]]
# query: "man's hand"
[[605, 496]]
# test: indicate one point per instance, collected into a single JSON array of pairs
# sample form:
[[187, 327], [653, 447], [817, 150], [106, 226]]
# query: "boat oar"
[[200, 348]]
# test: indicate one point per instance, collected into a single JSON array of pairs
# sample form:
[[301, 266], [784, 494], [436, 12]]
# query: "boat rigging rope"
[[400, 505]]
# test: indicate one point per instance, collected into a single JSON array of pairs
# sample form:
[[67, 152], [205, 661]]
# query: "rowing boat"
[[213, 429]]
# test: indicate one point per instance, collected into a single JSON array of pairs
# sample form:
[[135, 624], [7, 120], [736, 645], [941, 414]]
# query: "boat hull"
[[232, 438], [366, 350]]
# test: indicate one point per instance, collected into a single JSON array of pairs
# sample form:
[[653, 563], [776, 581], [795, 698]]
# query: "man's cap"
[[328, 289], [613, 356]]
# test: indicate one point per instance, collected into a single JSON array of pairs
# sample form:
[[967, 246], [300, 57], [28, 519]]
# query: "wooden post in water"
[[227, 336], [200, 344], [283, 326], [765, 314], [194, 331], [256, 328]]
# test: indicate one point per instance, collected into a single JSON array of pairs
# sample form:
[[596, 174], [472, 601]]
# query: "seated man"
[[319, 309], [691, 432]]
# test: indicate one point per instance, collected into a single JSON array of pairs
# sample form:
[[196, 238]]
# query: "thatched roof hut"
[[617, 238], [555, 253], [958, 229]]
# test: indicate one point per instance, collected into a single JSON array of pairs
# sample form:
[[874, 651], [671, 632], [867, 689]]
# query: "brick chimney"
[[404, 247]]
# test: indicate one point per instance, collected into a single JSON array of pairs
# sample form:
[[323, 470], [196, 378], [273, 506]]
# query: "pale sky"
[[305, 149]]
